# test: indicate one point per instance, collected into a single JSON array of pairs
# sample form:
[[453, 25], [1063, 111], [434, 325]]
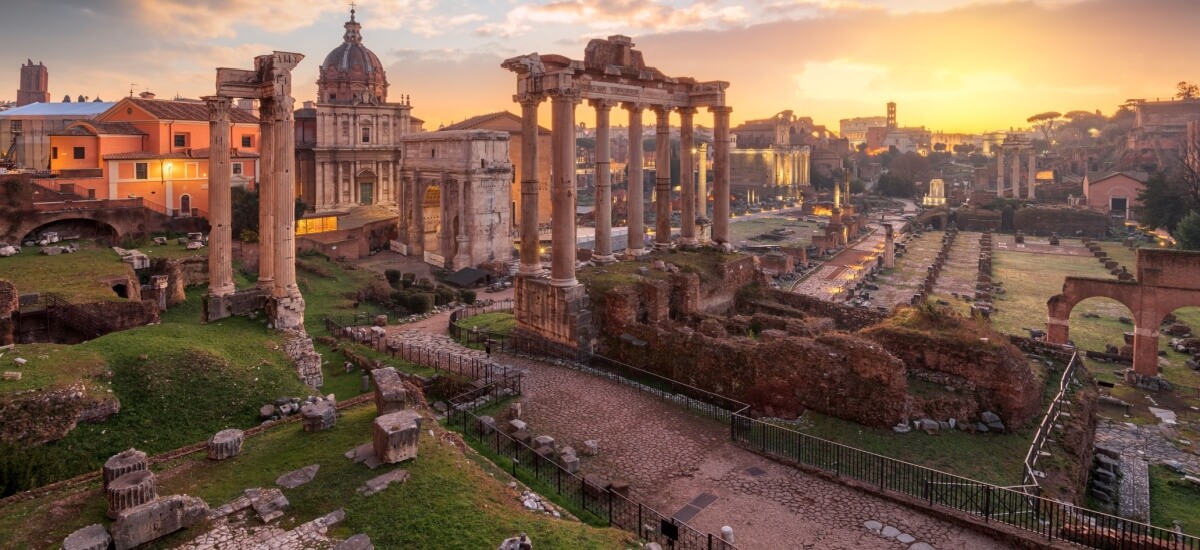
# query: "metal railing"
[[1030, 478], [619, 511]]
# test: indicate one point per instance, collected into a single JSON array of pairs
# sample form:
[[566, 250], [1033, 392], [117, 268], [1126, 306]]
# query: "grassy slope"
[[495, 323], [76, 276], [1173, 500], [447, 502]]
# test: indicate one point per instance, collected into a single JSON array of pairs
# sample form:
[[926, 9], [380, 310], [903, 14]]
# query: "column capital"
[[602, 104], [560, 95], [529, 100], [720, 109], [633, 106], [218, 106], [660, 110], [687, 110]]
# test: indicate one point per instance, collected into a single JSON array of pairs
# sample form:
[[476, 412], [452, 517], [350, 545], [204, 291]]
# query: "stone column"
[[687, 194], [702, 190], [416, 222], [531, 264], [462, 255], [220, 240], [1000, 173], [889, 246], [285, 199], [662, 179], [562, 190], [603, 249], [1016, 174], [636, 202], [1032, 174], [720, 222], [267, 188]]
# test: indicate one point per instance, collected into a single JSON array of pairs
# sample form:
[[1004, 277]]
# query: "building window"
[[79, 153], [181, 140], [141, 170], [366, 135], [54, 153], [247, 141], [237, 168]]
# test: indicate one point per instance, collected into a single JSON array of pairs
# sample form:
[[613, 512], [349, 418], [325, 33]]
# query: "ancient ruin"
[[1165, 281], [1017, 146], [270, 82], [611, 74]]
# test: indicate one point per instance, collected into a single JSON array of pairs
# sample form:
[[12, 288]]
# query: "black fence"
[[619, 511], [1030, 479]]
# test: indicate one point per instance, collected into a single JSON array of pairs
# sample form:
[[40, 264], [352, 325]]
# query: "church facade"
[[357, 150]]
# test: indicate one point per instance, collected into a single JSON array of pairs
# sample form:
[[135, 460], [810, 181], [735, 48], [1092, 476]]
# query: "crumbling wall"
[[996, 373], [9, 304], [36, 418], [1064, 221], [846, 317]]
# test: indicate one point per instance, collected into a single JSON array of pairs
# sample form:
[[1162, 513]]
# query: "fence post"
[[610, 494], [987, 503]]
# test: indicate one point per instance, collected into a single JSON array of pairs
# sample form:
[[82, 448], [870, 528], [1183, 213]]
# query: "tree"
[[1187, 90], [861, 147], [939, 147], [1163, 202], [910, 167], [1045, 122], [1187, 233], [891, 185]]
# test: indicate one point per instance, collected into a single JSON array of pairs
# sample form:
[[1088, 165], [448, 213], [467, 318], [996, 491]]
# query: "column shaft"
[[720, 223], [662, 180], [531, 263], [687, 186], [562, 191], [635, 203], [603, 248], [266, 195], [1032, 174], [702, 190], [285, 198], [1016, 174], [220, 240], [1000, 173]]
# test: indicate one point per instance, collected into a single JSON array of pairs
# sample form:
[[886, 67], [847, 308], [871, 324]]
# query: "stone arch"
[[1076, 290], [99, 230]]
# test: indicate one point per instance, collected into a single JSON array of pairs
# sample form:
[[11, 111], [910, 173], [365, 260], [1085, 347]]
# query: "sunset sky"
[[952, 65]]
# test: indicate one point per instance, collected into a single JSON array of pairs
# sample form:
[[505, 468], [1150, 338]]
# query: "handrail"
[[1052, 413]]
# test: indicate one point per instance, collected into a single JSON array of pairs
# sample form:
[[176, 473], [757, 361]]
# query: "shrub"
[[393, 277], [401, 298], [468, 296], [443, 296], [420, 302], [131, 242], [249, 236]]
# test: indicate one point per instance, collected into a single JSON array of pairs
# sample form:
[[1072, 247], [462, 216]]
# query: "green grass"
[[447, 502], [79, 277], [171, 251], [49, 367], [494, 323], [1172, 499]]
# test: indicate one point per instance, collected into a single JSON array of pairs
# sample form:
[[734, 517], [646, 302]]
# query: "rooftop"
[[87, 110], [185, 110]]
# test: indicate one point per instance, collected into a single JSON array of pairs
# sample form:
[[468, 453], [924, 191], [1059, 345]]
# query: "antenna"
[[132, 85]]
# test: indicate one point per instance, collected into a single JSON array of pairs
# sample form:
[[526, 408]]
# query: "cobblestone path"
[[669, 457]]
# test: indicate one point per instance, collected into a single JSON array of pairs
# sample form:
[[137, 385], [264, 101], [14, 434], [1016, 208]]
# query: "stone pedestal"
[[396, 436], [558, 314], [318, 416], [124, 462], [392, 393], [129, 490], [225, 444]]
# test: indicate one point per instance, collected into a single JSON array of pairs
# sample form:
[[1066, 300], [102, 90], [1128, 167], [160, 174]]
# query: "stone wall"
[[996, 373], [181, 273], [559, 314], [845, 317], [36, 418], [1064, 221], [9, 305]]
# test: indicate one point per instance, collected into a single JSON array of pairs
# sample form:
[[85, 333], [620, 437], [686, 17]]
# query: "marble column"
[[687, 185], [720, 222], [1000, 173], [702, 189], [636, 203], [285, 200], [531, 264], [220, 239], [889, 246], [662, 179], [562, 189], [1016, 174], [1032, 174], [267, 188], [603, 249]]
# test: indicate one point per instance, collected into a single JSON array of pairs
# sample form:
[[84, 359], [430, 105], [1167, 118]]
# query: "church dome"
[[351, 73]]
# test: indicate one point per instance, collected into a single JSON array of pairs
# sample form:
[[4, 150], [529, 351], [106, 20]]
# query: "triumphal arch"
[[611, 74], [1166, 280]]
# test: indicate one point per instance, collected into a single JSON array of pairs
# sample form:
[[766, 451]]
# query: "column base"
[[688, 241], [604, 260], [564, 283], [635, 252], [527, 270], [265, 284], [222, 291], [288, 311], [663, 247]]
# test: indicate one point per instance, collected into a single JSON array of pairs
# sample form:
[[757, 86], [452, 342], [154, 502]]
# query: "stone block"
[[396, 436], [156, 519], [591, 447], [392, 393], [129, 490], [543, 441], [620, 487], [379, 483], [515, 426], [523, 436], [129, 460], [318, 416], [570, 462], [296, 478], [358, 542], [595, 485], [225, 444], [92, 537], [11, 375], [269, 504], [487, 425], [381, 320]]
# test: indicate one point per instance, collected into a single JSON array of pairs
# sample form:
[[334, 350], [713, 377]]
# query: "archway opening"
[[81, 228], [431, 206], [121, 290]]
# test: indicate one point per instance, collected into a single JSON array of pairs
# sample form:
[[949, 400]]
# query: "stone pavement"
[[669, 457], [1145, 441], [246, 534]]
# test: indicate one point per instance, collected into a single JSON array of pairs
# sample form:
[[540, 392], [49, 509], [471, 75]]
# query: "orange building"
[[153, 149]]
